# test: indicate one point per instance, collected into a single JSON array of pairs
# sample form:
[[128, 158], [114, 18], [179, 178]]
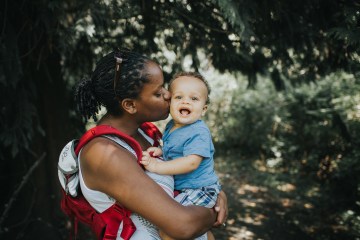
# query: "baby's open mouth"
[[184, 111]]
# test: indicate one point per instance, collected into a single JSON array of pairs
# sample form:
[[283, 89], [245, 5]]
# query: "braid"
[[101, 89], [87, 104], [132, 75]]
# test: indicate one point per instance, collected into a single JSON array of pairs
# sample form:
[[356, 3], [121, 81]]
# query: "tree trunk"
[[31, 191]]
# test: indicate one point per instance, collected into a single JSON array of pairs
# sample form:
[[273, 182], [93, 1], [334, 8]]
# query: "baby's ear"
[[204, 110]]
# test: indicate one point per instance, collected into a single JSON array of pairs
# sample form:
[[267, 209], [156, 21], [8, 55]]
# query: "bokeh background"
[[284, 113]]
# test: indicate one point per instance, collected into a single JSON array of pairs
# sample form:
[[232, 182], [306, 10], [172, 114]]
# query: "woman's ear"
[[129, 105], [204, 110]]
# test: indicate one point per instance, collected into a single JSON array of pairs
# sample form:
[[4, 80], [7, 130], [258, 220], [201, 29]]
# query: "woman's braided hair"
[[107, 86]]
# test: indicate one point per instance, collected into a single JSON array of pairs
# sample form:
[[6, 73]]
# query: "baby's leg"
[[210, 236], [163, 236]]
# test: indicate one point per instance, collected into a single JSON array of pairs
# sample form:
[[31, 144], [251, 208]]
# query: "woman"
[[130, 87]]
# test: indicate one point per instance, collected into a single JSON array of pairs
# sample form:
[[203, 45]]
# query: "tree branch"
[[200, 24], [17, 191]]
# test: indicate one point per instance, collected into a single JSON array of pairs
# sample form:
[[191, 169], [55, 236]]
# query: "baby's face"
[[188, 100]]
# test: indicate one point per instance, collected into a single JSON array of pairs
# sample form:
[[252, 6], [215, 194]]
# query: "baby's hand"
[[154, 151], [148, 161]]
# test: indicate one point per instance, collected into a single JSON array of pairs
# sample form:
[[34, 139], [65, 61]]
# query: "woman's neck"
[[122, 123], [126, 125]]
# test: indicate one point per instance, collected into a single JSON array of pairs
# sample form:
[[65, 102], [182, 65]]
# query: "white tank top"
[[100, 201]]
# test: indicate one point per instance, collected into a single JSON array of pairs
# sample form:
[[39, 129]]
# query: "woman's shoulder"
[[104, 162], [101, 150]]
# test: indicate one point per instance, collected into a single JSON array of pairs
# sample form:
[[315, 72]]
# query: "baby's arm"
[[176, 166]]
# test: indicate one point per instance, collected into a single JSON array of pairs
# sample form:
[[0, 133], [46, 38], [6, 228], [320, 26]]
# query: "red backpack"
[[106, 224]]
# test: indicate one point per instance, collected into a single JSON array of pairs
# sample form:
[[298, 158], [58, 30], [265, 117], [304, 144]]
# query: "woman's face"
[[153, 101]]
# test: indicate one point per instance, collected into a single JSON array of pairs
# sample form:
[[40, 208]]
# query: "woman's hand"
[[221, 208]]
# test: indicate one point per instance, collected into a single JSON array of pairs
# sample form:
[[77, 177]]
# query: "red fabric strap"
[[152, 131], [108, 130], [113, 216]]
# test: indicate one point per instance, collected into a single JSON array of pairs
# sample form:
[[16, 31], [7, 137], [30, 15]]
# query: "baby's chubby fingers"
[[154, 151], [145, 160]]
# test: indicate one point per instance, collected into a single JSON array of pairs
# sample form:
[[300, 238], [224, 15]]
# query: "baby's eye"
[[194, 98], [177, 97]]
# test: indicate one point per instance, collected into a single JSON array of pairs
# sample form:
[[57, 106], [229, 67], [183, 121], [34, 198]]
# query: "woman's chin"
[[165, 116]]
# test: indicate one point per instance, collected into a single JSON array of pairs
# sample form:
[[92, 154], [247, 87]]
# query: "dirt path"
[[273, 206]]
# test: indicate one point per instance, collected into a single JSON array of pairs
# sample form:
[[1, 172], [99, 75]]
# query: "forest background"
[[284, 113]]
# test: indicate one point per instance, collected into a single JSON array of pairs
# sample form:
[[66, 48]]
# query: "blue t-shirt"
[[187, 140]]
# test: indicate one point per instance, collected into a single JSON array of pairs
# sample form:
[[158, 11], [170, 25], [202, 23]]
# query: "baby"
[[188, 149]]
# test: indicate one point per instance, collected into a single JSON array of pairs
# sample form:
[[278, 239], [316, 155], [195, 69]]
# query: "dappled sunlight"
[[286, 202], [264, 201], [313, 191], [287, 187], [253, 219], [240, 227], [249, 191], [248, 203], [249, 188], [242, 233], [268, 165], [308, 206], [260, 166]]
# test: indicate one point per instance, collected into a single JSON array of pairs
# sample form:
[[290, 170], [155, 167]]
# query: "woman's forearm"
[[198, 221]]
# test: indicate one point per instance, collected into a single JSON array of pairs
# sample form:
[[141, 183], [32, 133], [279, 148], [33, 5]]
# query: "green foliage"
[[303, 40], [312, 127], [348, 32], [18, 114], [320, 118], [316, 123], [306, 134], [235, 15], [290, 40], [244, 117]]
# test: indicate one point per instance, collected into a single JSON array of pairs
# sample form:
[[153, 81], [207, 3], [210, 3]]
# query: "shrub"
[[312, 127]]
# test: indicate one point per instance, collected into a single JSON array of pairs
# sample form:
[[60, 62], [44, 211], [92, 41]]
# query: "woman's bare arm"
[[114, 171]]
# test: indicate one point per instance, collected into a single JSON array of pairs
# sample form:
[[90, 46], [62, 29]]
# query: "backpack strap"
[[108, 130], [152, 131]]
